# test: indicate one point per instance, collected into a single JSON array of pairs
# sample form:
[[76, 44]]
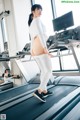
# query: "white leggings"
[[45, 66]]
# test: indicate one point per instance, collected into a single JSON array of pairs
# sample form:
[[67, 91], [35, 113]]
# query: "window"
[[62, 8], [55, 63], [68, 61], [77, 50], [1, 38], [4, 30]]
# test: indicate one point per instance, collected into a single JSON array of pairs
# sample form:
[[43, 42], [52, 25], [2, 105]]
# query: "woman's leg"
[[45, 66]]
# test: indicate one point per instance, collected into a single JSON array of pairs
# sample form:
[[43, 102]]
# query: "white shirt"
[[38, 29]]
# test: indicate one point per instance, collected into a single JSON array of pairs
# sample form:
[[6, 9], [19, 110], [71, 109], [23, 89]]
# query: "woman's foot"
[[39, 96], [46, 94]]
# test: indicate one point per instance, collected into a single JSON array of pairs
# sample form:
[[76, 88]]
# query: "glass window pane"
[[55, 63], [1, 40], [77, 50], [4, 31], [62, 8], [68, 62]]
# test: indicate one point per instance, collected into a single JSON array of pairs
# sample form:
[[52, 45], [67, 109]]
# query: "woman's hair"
[[35, 6], [30, 19]]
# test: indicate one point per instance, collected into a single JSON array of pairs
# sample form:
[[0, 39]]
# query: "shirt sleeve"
[[40, 32]]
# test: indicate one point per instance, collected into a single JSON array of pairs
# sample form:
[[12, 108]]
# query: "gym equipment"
[[6, 85], [25, 106], [30, 108]]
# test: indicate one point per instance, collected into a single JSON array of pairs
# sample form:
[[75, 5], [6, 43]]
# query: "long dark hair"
[[35, 6]]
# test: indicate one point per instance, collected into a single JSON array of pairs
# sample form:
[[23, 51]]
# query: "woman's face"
[[37, 12]]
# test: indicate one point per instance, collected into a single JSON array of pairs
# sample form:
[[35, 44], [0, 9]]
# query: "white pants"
[[45, 66]]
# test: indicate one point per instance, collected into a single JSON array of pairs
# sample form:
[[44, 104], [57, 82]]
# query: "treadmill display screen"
[[63, 22]]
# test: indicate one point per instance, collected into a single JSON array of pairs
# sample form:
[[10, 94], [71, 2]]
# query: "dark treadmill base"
[[6, 86], [17, 91], [32, 108]]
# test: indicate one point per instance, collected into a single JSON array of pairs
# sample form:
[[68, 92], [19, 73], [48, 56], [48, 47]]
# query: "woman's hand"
[[47, 52], [50, 55], [32, 53]]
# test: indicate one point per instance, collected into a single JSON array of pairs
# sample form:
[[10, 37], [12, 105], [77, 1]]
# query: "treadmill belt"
[[16, 91], [32, 108]]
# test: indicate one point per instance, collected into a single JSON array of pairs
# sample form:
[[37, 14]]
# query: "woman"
[[39, 51]]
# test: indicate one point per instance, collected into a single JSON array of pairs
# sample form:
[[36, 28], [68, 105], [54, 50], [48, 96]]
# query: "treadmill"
[[28, 107], [11, 93], [6, 85]]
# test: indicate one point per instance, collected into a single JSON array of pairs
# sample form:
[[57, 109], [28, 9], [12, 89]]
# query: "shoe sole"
[[38, 97], [47, 95]]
